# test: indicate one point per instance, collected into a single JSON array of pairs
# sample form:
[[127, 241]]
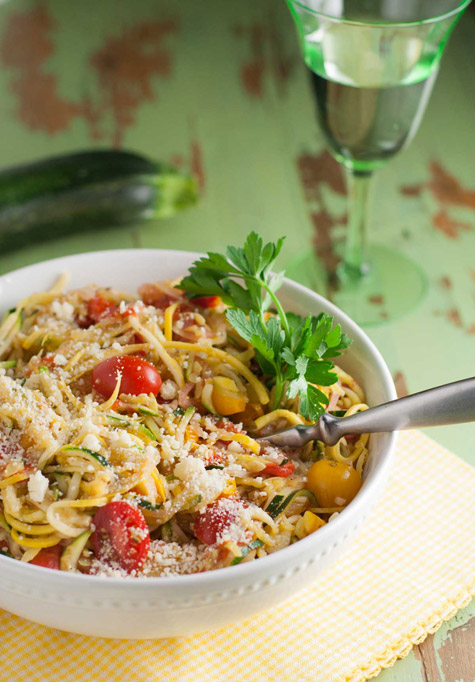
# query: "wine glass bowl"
[[373, 66]]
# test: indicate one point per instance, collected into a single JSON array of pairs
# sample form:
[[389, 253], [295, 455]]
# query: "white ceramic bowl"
[[164, 607]]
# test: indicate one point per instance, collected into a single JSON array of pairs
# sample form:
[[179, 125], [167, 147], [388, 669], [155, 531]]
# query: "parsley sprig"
[[293, 352]]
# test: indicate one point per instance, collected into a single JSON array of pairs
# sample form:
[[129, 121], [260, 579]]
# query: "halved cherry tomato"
[[283, 470], [216, 518], [121, 535], [207, 301], [48, 557], [138, 376], [334, 484]]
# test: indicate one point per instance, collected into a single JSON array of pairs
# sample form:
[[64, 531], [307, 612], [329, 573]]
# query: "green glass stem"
[[355, 259]]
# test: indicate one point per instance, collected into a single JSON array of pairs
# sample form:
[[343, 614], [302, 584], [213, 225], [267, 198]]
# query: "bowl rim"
[[243, 570]]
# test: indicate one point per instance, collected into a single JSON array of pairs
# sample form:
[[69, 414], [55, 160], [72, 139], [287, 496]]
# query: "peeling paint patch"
[[401, 385], [125, 66], [447, 189], [25, 48], [317, 171], [123, 70], [412, 190], [447, 225], [268, 57], [453, 316], [448, 192], [457, 654], [377, 299], [446, 283], [197, 166]]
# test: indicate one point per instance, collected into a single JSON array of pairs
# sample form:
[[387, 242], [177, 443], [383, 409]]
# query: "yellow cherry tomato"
[[226, 397], [334, 484]]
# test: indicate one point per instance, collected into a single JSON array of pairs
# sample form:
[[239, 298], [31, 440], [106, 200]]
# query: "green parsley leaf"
[[293, 352]]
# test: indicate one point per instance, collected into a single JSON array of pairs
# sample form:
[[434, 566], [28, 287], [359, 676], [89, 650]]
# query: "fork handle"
[[449, 404]]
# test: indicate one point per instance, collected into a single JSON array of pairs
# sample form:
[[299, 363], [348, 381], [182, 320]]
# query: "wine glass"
[[373, 64]]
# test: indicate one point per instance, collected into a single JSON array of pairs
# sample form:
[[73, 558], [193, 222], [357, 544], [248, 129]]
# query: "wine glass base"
[[393, 287]]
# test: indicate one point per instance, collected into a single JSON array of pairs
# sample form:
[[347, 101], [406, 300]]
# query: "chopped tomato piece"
[[207, 301], [216, 519], [284, 469], [152, 295], [137, 376], [98, 308], [186, 307], [352, 437], [10, 448], [215, 456], [47, 361], [48, 557], [121, 535], [227, 425]]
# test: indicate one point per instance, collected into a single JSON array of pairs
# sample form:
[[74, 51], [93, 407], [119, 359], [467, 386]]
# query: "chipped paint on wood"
[[456, 654], [124, 67], [316, 172], [268, 56], [25, 48], [400, 384], [449, 192], [443, 222], [425, 654]]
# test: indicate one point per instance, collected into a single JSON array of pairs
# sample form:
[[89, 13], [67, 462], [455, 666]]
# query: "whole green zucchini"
[[96, 189]]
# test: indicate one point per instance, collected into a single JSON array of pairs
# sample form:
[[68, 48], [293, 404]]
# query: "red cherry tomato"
[[283, 470], [121, 535], [207, 301], [138, 376], [216, 518], [48, 557]]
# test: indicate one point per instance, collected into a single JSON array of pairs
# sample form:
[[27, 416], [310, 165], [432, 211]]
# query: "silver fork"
[[449, 404]]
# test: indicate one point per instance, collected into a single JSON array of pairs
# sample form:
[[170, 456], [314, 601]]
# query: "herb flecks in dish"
[[293, 352], [128, 422]]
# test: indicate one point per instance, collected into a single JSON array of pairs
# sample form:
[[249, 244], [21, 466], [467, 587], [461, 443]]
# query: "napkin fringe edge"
[[416, 636]]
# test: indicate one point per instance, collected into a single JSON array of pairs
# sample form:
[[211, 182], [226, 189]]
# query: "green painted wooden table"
[[220, 89]]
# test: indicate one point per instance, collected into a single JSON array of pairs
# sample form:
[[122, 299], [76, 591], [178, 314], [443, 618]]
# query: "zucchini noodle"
[[185, 454]]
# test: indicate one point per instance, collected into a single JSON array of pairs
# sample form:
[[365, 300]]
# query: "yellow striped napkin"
[[411, 568]]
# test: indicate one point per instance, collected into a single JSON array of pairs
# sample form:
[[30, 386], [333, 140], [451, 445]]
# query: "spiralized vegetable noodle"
[[184, 458]]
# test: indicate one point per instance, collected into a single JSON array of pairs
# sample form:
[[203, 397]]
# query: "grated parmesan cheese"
[[91, 442], [168, 390], [63, 311], [37, 486]]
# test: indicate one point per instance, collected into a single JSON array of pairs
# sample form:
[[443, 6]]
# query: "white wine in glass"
[[373, 64]]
